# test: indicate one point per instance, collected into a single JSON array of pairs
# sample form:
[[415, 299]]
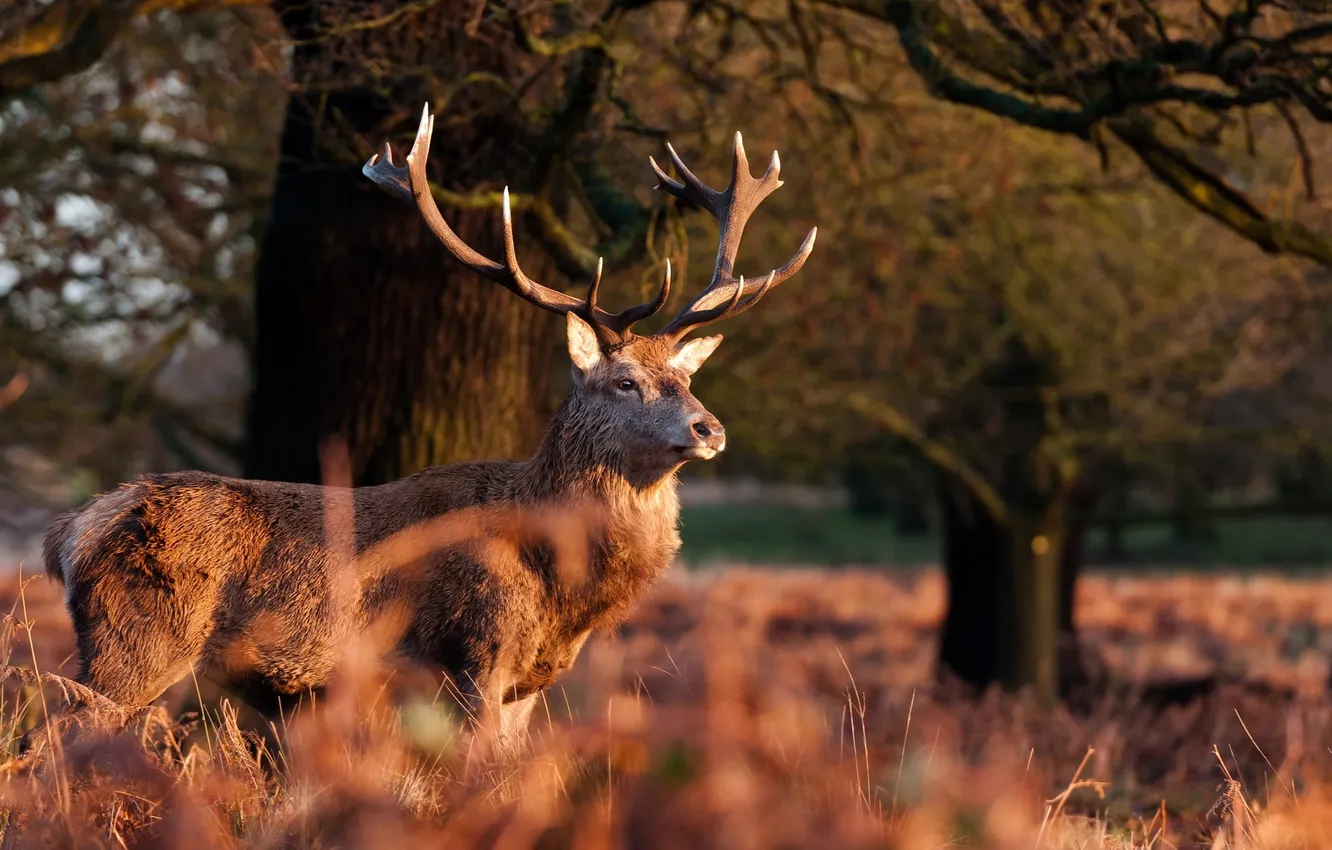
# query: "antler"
[[727, 296], [410, 184]]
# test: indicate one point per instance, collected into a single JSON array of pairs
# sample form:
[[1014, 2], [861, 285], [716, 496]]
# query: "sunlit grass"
[[744, 708]]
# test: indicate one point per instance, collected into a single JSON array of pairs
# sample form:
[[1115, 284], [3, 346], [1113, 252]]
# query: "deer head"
[[631, 392]]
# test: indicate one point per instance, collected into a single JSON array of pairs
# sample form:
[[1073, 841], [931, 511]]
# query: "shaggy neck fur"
[[578, 460]]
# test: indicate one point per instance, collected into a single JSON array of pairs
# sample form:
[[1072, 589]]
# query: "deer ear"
[[690, 355], [584, 347]]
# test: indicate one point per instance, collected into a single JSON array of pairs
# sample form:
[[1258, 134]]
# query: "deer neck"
[[576, 460], [640, 537]]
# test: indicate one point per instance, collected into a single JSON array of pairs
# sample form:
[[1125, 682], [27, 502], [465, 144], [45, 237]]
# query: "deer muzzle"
[[709, 438]]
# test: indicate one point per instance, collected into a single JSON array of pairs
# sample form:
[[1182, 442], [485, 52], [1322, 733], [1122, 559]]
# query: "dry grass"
[[745, 708]]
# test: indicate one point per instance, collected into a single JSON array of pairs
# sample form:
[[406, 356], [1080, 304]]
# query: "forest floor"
[[749, 708]]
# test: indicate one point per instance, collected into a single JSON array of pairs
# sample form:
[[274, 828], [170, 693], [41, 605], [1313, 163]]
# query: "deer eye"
[[626, 385]]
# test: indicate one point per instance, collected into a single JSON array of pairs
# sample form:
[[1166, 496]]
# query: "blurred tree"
[[1304, 483], [1018, 313], [44, 42], [1181, 84], [1076, 366], [884, 479], [367, 329], [364, 328], [1026, 321], [130, 199]]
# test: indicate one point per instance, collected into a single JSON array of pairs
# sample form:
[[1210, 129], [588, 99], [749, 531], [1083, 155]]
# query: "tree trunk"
[[1010, 596], [1032, 595], [366, 329], [1010, 572], [973, 627], [1074, 676]]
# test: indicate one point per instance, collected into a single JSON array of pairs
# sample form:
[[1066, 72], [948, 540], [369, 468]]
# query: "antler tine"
[[703, 310], [738, 303], [593, 288], [631, 315], [725, 296], [663, 294], [411, 185], [524, 285], [387, 176], [622, 321], [691, 189]]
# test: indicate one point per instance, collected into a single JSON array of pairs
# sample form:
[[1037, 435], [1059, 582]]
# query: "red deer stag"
[[171, 572]]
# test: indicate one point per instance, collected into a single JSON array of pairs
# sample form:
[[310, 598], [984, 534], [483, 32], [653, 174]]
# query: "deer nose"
[[710, 430]]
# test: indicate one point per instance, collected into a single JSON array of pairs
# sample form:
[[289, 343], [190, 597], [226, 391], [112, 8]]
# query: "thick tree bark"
[[366, 329], [1031, 590], [1010, 578], [1009, 619], [1075, 678], [972, 638]]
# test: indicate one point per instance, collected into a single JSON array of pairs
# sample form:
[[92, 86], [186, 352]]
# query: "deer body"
[[183, 570], [180, 571]]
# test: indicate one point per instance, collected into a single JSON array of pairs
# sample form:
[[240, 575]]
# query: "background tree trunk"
[[367, 329], [411, 359], [1010, 572], [1031, 588], [1075, 678], [1010, 599], [970, 642]]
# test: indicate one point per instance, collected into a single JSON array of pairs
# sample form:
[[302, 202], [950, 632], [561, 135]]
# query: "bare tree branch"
[[932, 451], [1214, 196], [70, 36], [1066, 88]]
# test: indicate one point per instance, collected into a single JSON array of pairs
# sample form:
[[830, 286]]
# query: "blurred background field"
[[716, 535], [828, 689], [835, 536]]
